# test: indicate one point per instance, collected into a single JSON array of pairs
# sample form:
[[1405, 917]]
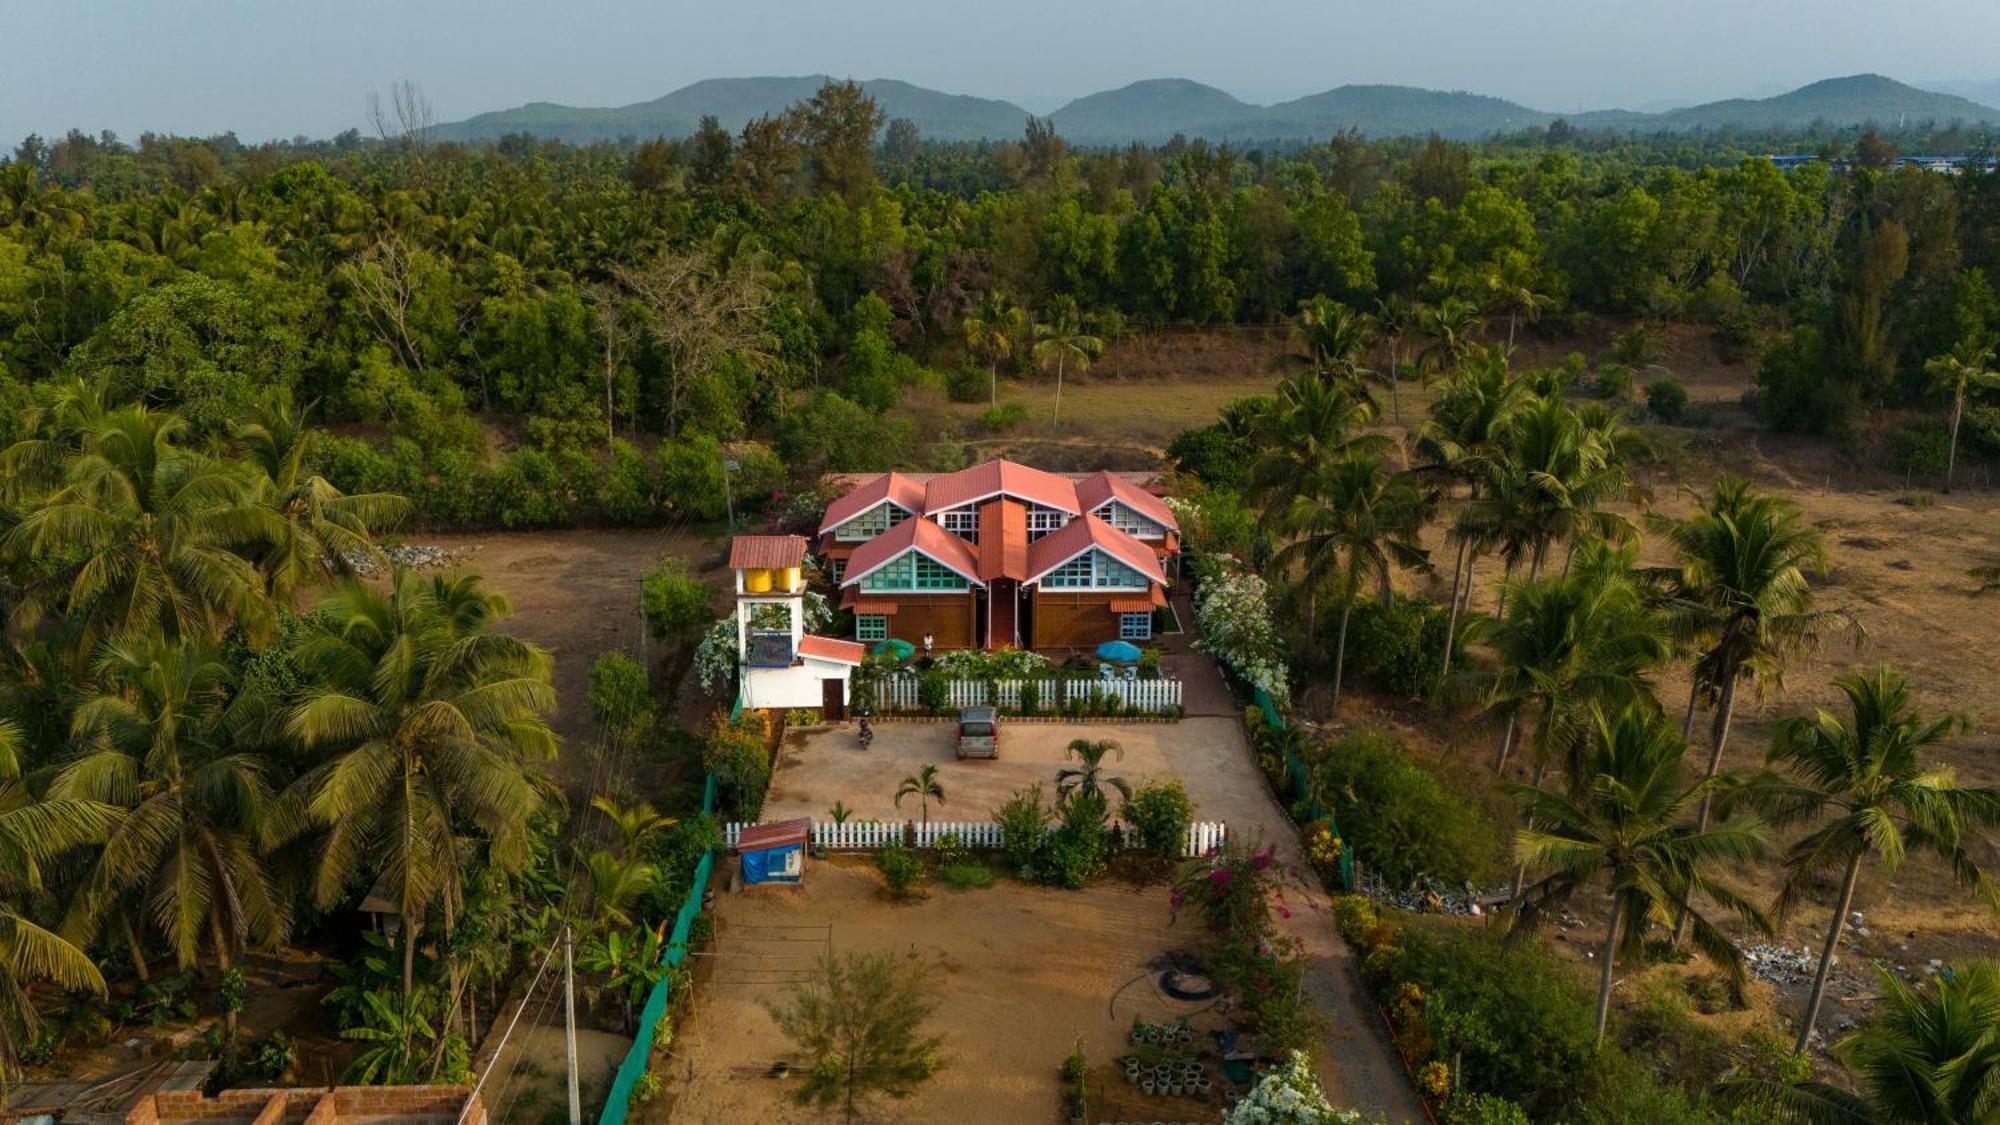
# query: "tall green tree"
[[1958, 374], [312, 532], [1623, 820], [1064, 344], [424, 722], [1868, 789], [185, 854], [859, 1019], [1353, 523]]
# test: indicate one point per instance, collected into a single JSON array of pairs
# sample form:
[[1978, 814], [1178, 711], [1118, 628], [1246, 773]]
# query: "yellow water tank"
[[756, 580], [791, 578]]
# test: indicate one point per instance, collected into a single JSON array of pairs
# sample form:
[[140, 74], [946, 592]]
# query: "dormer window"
[[870, 523], [1128, 521]]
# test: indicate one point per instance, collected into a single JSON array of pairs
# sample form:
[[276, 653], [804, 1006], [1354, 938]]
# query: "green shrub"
[[1483, 1109], [967, 875], [1023, 821], [735, 753], [1613, 381], [901, 870], [1000, 419], [934, 692], [1080, 849], [1667, 400], [1637, 346], [674, 602], [1921, 448], [968, 384], [1399, 818], [1161, 812], [1400, 648], [1031, 697]]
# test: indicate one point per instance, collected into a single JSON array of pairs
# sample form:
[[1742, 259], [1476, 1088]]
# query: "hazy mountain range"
[[1156, 109]]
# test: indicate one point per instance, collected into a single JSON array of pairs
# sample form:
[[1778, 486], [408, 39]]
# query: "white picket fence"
[[1203, 836], [1150, 697]]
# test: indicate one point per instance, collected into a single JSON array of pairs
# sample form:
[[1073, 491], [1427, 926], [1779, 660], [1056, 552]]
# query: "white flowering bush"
[[1000, 664], [1289, 1095], [715, 658], [1233, 607]]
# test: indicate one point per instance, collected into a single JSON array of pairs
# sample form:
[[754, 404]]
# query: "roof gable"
[[922, 536], [892, 487], [1085, 533], [1000, 478], [1093, 490], [766, 552]]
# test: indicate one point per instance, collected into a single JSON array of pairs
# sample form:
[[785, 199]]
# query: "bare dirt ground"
[[1209, 756], [1013, 997]]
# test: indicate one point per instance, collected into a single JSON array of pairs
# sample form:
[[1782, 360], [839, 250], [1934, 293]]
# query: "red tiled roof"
[[896, 488], [1083, 533], [1093, 490], [829, 648], [766, 552], [776, 834], [859, 602], [999, 478], [1003, 539], [923, 535]]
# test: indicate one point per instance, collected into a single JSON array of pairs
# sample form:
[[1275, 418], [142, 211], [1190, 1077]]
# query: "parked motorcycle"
[[864, 732]]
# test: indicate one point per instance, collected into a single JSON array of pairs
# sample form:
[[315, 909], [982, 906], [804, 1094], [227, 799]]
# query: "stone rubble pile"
[[415, 556]]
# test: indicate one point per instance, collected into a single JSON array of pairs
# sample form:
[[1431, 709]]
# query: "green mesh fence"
[[618, 1102], [1295, 777]]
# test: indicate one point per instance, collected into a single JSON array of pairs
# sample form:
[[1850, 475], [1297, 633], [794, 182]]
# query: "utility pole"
[[729, 465], [569, 1031]]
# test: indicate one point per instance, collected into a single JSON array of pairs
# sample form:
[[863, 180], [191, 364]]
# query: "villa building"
[[1000, 554]]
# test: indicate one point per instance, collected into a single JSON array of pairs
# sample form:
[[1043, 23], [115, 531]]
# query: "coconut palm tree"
[[425, 725], [1564, 645], [925, 787], [614, 884], [633, 824], [1450, 329], [1929, 1053], [1456, 444], [1738, 594], [34, 833], [1089, 779], [1623, 821], [1551, 474], [314, 531], [1062, 345], [1957, 373], [1310, 424], [185, 854], [1395, 316], [1334, 338], [1353, 523], [1868, 787], [990, 330], [139, 538]]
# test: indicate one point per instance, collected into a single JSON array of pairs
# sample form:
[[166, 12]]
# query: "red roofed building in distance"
[[1000, 554]]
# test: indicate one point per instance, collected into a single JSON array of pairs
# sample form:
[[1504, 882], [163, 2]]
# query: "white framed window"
[[1128, 521], [1135, 626], [1074, 574], [1094, 570], [870, 523], [913, 571], [1042, 521], [793, 865], [871, 627], [962, 522]]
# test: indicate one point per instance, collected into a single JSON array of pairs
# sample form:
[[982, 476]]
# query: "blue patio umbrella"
[[901, 650], [1120, 651]]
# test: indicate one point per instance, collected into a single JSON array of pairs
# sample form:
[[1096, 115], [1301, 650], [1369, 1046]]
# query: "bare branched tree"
[[382, 278], [408, 121], [700, 308], [609, 302]]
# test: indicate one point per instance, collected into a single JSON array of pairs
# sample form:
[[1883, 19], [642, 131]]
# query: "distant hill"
[[1156, 109], [1400, 111], [1151, 110], [736, 101], [1855, 100]]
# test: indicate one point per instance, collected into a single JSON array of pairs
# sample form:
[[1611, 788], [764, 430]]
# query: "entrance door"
[[833, 701]]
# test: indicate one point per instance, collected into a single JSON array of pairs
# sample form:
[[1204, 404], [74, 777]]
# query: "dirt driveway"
[[1357, 1065]]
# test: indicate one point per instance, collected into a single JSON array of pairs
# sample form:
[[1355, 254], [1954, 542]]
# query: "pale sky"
[[275, 68]]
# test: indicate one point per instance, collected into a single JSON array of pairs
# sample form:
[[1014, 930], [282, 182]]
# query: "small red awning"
[[1131, 605], [859, 604], [776, 834]]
